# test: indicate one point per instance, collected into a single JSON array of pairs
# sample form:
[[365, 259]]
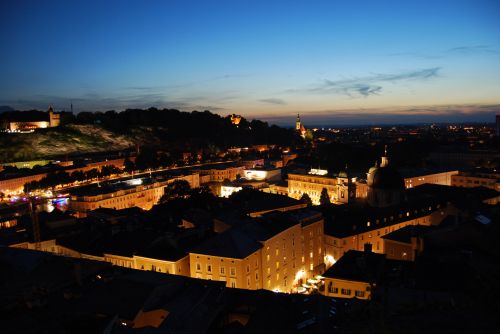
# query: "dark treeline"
[[55, 178], [172, 125]]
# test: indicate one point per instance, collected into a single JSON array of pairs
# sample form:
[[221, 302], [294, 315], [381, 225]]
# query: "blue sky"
[[332, 61]]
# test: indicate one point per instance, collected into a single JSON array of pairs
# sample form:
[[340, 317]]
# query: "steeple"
[[297, 123], [385, 158]]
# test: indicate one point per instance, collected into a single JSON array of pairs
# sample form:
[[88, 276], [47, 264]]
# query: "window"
[[268, 271], [346, 292], [248, 268], [268, 257], [332, 289], [232, 271], [222, 270], [198, 267], [360, 294], [256, 276], [209, 268], [277, 264]]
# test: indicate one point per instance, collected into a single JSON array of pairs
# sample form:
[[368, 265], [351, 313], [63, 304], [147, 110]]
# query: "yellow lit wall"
[[346, 288]]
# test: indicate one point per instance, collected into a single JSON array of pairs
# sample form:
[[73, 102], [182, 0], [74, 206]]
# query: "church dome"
[[385, 178]]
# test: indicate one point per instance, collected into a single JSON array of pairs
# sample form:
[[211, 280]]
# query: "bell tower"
[[297, 123]]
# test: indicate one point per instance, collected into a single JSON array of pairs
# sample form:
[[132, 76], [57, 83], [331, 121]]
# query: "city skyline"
[[332, 62]]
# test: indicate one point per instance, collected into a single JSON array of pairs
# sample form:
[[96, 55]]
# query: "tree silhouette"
[[176, 189], [306, 199], [324, 199]]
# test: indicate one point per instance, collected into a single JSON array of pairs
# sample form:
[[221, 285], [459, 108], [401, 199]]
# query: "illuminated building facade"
[[142, 193], [178, 265], [443, 178], [360, 229], [340, 188], [15, 185], [271, 254], [354, 275], [54, 120], [477, 178], [219, 173]]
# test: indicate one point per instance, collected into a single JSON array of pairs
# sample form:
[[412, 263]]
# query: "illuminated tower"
[[54, 119], [297, 123]]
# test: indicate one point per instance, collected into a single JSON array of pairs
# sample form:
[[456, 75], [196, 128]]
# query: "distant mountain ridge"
[[6, 109]]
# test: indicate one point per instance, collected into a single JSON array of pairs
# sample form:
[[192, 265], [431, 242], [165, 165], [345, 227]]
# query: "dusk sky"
[[335, 62]]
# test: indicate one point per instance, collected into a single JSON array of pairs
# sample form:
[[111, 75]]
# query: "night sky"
[[332, 61]]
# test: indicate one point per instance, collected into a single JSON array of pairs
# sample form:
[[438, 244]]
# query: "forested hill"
[[168, 129]]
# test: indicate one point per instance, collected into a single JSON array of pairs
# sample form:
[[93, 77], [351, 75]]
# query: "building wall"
[[336, 247], [141, 196], [281, 259], [179, 267], [444, 178], [346, 288], [28, 125], [284, 262], [16, 186], [361, 190], [312, 185], [219, 175], [470, 181], [237, 273], [313, 248], [396, 250]]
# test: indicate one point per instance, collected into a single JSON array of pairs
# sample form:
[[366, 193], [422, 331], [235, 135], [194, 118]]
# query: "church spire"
[[297, 123], [385, 158]]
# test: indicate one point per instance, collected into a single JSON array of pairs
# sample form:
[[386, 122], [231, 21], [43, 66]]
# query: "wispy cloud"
[[472, 49], [392, 115], [369, 85], [464, 50], [93, 101], [273, 101]]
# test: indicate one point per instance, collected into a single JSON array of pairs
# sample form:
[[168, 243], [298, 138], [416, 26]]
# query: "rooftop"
[[251, 201], [231, 244], [357, 266], [406, 233]]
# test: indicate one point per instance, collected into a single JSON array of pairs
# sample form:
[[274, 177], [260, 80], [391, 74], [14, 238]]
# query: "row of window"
[[345, 292], [222, 269]]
